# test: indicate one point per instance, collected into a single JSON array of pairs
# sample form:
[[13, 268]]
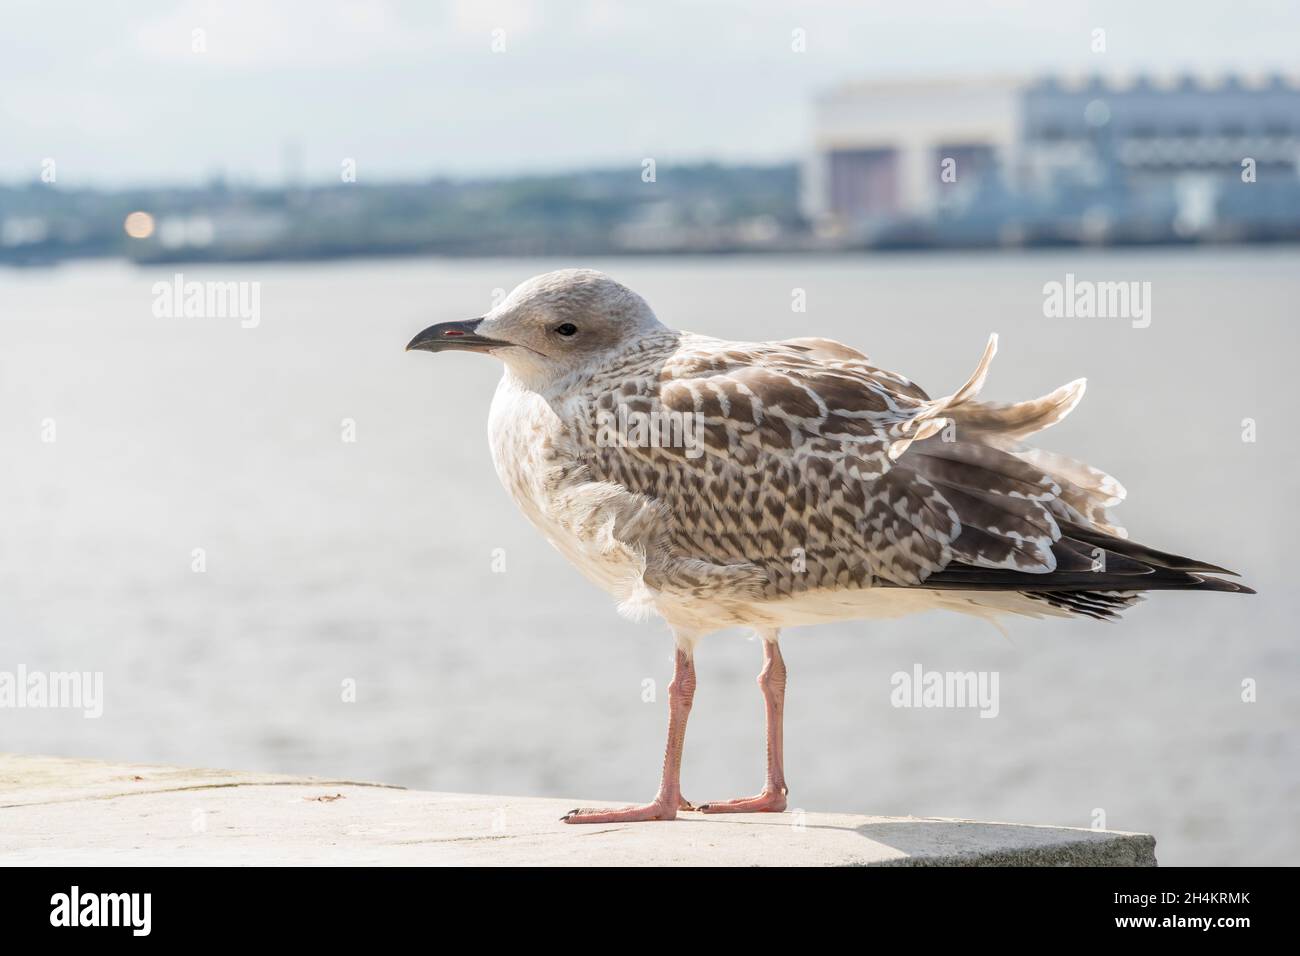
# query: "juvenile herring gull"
[[775, 484]]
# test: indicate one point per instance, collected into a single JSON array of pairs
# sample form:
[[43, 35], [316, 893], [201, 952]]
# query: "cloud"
[[293, 34]]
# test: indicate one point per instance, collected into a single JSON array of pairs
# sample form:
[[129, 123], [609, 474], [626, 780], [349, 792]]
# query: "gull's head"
[[551, 325]]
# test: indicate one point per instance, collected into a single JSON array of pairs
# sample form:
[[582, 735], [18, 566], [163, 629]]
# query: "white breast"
[[523, 432], [517, 424]]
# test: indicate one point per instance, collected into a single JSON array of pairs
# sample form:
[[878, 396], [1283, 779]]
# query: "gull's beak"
[[453, 336]]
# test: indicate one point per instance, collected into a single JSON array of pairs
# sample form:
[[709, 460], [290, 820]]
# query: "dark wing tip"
[[1218, 584], [1141, 552]]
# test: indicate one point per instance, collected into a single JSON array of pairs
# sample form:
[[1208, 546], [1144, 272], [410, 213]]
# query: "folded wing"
[[821, 470]]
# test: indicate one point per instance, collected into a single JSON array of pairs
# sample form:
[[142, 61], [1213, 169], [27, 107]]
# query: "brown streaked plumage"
[[775, 484]]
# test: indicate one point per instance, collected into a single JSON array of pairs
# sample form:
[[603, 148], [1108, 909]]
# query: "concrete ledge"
[[60, 811]]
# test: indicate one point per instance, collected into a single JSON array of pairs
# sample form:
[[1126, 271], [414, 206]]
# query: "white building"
[[878, 147], [898, 151]]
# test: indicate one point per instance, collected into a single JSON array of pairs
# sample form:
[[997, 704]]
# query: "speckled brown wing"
[[793, 471], [812, 469]]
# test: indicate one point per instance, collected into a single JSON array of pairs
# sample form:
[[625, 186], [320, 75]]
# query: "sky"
[[117, 93]]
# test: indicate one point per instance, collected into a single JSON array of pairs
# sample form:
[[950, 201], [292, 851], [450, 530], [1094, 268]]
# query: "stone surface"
[[61, 811]]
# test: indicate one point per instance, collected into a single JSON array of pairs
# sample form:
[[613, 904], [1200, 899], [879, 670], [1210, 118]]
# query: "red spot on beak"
[[453, 332]]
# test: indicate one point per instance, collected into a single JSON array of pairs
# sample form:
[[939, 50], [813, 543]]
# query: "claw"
[[649, 811], [769, 801]]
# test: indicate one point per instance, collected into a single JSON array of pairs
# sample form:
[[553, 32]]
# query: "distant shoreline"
[[216, 257]]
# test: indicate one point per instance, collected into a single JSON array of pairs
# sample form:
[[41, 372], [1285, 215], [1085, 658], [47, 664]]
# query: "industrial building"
[[1071, 159]]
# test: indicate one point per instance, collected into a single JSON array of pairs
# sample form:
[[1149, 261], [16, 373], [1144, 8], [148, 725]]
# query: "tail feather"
[[1099, 605], [1033, 522], [1019, 420]]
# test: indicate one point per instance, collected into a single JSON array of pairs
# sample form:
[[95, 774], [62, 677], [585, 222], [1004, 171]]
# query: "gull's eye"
[[567, 329]]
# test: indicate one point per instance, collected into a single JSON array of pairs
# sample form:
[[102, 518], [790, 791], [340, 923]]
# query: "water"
[[372, 561]]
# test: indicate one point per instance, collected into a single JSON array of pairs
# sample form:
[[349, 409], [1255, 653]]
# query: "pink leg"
[[669, 799], [772, 682]]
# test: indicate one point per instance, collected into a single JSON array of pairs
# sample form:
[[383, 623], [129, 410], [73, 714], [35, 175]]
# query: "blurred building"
[[1090, 159]]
